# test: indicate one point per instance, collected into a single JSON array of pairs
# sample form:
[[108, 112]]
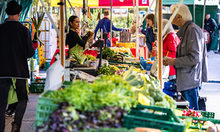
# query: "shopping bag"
[[201, 102], [12, 95], [54, 75], [165, 72]]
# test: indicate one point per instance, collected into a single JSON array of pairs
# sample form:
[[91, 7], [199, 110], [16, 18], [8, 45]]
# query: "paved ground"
[[211, 90]]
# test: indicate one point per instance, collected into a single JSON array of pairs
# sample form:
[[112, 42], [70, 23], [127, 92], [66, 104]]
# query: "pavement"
[[211, 90]]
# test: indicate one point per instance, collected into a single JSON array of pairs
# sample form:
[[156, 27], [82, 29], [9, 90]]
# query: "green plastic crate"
[[45, 107], [215, 121], [37, 86], [153, 117], [205, 114], [66, 83]]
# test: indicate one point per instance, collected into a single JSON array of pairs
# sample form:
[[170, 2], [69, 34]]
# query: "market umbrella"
[[103, 3]]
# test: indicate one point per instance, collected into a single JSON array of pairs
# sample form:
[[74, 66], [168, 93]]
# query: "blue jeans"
[[192, 96]]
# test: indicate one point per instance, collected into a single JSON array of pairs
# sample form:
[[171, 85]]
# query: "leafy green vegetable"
[[105, 91], [77, 53], [110, 130], [106, 70], [37, 20], [90, 57], [108, 52]]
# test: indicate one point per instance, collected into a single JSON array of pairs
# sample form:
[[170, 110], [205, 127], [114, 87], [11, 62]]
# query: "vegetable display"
[[106, 70], [105, 91], [149, 87], [67, 119], [77, 53], [108, 52]]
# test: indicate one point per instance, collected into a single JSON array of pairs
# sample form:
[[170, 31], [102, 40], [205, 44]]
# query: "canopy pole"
[[111, 24], [62, 45], [160, 41], [66, 20], [194, 12], [203, 16], [137, 29], [71, 7]]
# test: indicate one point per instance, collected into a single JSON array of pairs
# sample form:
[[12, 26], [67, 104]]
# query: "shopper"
[[15, 48], [210, 26], [73, 37], [218, 52], [191, 57], [104, 25], [170, 43], [150, 36]]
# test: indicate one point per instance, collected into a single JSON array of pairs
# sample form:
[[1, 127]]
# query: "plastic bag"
[[54, 75], [165, 72], [154, 68], [12, 95]]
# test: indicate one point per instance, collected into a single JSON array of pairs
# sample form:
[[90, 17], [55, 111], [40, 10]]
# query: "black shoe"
[[15, 127], [9, 113], [218, 52]]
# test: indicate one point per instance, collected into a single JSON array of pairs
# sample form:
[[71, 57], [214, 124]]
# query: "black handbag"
[[201, 102]]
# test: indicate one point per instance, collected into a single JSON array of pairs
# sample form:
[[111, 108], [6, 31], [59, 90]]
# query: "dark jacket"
[[210, 25], [105, 25], [191, 58], [15, 47], [72, 38], [150, 37]]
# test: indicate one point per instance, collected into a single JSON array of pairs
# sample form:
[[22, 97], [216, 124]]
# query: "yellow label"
[[143, 99]]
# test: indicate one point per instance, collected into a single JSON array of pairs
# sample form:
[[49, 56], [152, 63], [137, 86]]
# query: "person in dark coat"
[[15, 48], [150, 36], [73, 37], [210, 26], [105, 25]]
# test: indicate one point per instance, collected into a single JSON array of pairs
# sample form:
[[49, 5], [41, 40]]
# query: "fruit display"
[[123, 51]]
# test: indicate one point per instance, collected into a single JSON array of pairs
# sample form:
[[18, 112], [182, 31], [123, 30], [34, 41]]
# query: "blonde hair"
[[170, 27], [183, 11]]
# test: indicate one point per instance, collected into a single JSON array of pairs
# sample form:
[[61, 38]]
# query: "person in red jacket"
[[170, 43]]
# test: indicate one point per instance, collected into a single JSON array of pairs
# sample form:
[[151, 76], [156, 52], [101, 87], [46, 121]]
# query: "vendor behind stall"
[[150, 36], [73, 38], [105, 25]]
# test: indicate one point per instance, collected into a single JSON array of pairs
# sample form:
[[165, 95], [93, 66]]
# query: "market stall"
[[123, 95]]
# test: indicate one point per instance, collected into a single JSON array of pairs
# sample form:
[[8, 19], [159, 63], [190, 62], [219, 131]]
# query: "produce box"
[[45, 107], [66, 83], [198, 122], [153, 117], [37, 86], [205, 114]]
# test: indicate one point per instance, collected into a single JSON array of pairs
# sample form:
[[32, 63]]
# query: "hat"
[[13, 8]]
